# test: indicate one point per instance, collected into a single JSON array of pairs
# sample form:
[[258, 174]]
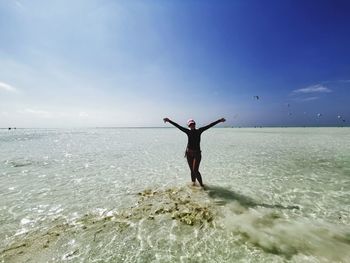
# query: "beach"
[[124, 195]]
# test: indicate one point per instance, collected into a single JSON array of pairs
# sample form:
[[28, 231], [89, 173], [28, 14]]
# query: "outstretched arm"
[[212, 124], [175, 124]]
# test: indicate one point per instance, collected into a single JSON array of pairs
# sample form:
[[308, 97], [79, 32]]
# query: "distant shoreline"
[[155, 127]]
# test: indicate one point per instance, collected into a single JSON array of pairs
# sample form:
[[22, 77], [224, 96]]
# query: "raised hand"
[[222, 120], [166, 120]]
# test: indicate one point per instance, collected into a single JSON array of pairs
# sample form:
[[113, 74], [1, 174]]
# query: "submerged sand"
[[168, 220]]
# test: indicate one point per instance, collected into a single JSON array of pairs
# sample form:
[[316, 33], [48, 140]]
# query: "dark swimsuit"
[[193, 150], [193, 146], [194, 138]]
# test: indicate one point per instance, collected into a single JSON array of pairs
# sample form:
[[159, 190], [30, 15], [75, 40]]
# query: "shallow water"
[[273, 195]]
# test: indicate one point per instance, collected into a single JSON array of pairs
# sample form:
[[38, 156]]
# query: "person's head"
[[191, 124]]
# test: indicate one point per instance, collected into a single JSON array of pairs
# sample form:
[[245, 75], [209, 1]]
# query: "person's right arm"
[[176, 125]]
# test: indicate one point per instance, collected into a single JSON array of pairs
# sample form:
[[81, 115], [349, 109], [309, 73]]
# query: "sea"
[[125, 195]]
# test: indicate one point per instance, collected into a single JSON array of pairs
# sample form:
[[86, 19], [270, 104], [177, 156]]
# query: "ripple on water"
[[183, 222], [278, 188]]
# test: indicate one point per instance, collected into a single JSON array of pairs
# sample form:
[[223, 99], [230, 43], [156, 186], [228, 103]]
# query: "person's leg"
[[196, 163], [190, 160]]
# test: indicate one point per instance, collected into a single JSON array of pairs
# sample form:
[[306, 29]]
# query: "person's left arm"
[[202, 129]]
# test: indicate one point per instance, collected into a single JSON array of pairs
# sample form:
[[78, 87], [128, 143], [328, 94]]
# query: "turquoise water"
[[273, 195]]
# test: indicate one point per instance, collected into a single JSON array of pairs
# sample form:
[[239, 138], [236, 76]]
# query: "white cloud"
[[7, 87], [38, 113], [318, 88], [309, 99], [305, 99], [83, 114]]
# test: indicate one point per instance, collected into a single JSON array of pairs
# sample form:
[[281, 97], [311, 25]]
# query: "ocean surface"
[[124, 195]]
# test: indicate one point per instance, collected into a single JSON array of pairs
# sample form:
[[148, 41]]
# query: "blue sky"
[[88, 63]]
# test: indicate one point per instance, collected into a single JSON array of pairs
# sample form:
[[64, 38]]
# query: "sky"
[[107, 63]]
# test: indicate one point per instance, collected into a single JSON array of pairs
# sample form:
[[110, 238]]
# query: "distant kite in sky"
[[319, 115], [340, 118], [256, 97]]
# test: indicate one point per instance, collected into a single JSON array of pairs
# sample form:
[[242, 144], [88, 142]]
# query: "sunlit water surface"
[[273, 195]]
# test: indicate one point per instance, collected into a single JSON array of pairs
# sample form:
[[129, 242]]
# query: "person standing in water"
[[193, 150]]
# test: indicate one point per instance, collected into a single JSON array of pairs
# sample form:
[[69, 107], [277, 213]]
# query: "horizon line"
[[161, 127]]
